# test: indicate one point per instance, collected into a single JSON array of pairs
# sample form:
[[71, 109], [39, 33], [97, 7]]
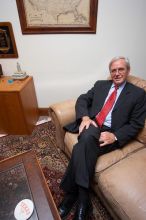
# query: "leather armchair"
[[120, 177]]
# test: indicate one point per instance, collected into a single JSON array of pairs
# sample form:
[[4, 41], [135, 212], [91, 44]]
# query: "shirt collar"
[[121, 86]]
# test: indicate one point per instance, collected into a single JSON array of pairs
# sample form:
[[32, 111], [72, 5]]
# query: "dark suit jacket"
[[128, 115]]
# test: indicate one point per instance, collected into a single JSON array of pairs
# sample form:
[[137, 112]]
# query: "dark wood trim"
[[32, 183], [8, 47], [43, 111], [58, 28]]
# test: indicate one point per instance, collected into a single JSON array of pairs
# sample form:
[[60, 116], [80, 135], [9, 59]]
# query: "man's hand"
[[106, 138], [86, 121]]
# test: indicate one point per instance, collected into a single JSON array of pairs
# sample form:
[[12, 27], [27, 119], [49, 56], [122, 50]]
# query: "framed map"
[[8, 47], [57, 16]]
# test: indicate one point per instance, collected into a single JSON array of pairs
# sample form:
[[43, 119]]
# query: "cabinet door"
[[3, 115], [15, 120], [29, 105]]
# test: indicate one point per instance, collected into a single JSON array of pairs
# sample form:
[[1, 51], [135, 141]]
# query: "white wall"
[[65, 65]]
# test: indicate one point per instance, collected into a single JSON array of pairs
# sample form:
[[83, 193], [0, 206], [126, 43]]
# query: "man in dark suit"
[[97, 136]]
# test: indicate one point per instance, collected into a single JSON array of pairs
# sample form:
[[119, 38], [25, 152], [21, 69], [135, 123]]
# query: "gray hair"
[[118, 58]]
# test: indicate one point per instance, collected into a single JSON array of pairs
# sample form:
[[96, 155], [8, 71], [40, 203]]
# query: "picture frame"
[[8, 47], [58, 16]]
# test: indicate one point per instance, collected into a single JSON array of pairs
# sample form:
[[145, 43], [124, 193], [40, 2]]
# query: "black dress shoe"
[[66, 205], [84, 209]]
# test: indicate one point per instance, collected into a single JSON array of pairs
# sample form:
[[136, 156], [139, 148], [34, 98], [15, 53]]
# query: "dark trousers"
[[84, 156]]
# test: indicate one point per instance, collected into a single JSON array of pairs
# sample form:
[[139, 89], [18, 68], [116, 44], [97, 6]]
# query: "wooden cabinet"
[[18, 106]]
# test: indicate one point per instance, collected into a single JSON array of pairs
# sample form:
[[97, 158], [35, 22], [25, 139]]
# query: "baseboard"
[[43, 111]]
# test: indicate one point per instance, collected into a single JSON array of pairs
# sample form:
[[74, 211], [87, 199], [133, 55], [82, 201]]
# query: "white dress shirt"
[[108, 118]]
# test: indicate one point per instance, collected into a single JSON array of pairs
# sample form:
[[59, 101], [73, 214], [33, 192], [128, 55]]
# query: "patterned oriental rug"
[[52, 160]]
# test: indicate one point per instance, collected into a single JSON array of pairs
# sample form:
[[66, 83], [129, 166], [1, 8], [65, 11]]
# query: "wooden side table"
[[18, 106]]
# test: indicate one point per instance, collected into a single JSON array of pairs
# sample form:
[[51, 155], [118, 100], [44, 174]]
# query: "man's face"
[[119, 71]]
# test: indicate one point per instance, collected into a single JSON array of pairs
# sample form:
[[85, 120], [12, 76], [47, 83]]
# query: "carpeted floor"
[[52, 160]]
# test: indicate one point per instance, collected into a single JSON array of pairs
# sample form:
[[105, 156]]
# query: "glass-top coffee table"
[[21, 177]]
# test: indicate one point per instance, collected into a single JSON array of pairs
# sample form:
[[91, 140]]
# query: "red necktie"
[[100, 117]]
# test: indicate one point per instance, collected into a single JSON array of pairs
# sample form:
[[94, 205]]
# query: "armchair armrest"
[[62, 113]]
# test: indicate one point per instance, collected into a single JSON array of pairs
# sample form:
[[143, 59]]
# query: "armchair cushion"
[[123, 186], [105, 160]]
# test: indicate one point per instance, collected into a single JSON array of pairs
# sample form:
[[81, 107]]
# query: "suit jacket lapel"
[[102, 96], [122, 97]]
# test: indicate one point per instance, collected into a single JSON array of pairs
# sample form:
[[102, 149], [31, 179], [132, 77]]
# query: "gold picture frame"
[[8, 47], [57, 16]]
